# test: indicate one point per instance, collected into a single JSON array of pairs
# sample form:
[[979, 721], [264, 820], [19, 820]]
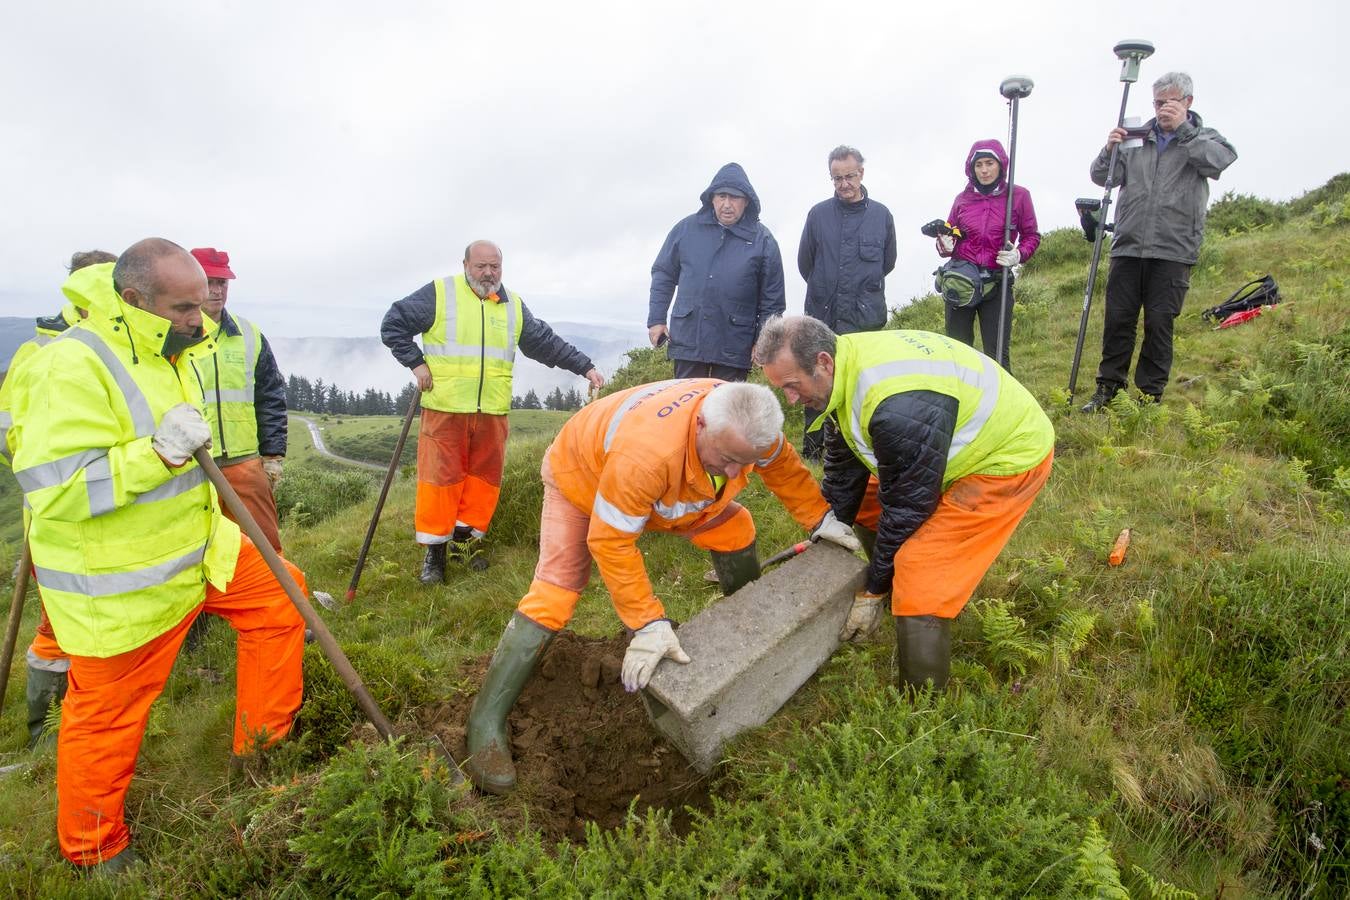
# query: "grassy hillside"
[[1174, 724]]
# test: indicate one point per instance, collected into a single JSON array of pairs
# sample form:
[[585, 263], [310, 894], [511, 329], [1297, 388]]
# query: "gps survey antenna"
[[1014, 88], [1131, 53]]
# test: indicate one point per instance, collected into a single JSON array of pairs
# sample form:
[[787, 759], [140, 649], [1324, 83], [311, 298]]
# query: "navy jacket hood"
[[732, 175]]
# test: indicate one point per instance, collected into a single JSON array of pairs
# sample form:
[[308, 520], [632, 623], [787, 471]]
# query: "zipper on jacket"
[[482, 349]]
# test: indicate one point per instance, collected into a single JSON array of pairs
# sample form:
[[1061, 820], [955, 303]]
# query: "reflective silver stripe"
[[229, 396], [250, 362], [452, 347], [613, 516], [98, 484], [777, 450], [109, 583], [470, 352], [56, 471], [6, 420], [40, 339], [627, 405], [676, 510], [47, 665], [424, 538], [988, 382], [179, 484], [141, 417]]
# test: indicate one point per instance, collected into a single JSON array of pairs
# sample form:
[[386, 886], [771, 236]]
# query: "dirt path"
[[323, 450]]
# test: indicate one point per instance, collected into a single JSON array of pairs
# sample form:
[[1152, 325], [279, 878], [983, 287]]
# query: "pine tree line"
[[555, 399], [314, 396], [317, 397]]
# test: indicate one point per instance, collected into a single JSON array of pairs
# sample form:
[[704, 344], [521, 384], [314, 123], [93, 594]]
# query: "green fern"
[[1159, 889], [1071, 635], [1094, 870], [1011, 646]]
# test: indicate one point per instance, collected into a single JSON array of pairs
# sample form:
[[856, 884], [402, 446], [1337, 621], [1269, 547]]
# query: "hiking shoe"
[[1100, 400], [433, 565]]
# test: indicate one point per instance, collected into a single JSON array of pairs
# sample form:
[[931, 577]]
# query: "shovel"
[[15, 614]]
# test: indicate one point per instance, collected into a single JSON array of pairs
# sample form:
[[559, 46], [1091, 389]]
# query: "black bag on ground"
[[1261, 292], [961, 283]]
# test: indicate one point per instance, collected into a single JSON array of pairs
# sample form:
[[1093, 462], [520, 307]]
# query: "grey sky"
[[344, 153]]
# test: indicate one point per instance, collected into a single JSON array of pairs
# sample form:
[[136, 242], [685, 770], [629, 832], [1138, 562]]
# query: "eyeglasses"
[[1159, 104], [851, 176]]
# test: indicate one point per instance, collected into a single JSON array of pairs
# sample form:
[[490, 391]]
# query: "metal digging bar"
[[1014, 88], [15, 615], [327, 643], [384, 492], [1130, 53]]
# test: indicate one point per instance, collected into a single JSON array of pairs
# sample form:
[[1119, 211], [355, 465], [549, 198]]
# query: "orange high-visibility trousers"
[[459, 472], [564, 567], [250, 482], [104, 714], [943, 562]]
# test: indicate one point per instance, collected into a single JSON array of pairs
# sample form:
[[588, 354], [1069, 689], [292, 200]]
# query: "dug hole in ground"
[[583, 747]]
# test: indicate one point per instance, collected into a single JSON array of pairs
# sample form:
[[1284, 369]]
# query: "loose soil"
[[583, 747]]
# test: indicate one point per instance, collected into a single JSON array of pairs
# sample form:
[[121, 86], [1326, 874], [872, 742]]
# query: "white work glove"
[[864, 616], [180, 432], [1009, 258], [831, 529], [946, 244], [651, 643], [272, 469]]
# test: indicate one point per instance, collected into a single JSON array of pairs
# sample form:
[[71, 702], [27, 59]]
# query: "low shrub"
[[310, 494]]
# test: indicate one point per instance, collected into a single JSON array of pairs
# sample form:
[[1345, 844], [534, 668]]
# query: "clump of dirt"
[[583, 747]]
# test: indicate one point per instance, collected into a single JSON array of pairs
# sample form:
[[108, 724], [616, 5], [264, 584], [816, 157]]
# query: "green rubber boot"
[[489, 764], [924, 647], [736, 569], [868, 538], [43, 689]]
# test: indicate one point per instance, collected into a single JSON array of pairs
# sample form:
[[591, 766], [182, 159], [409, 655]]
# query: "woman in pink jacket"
[[978, 212]]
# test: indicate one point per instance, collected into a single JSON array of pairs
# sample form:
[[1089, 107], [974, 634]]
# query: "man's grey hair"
[[135, 268], [1179, 80], [804, 336], [844, 151], [473, 244], [83, 258], [750, 409]]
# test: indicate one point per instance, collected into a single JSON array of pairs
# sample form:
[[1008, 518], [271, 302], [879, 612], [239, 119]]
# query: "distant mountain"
[[354, 364]]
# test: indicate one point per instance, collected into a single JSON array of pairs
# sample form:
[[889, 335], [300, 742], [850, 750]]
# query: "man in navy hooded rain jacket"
[[725, 273]]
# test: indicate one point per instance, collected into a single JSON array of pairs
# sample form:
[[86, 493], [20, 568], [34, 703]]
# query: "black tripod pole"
[[1014, 88], [1131, 53]]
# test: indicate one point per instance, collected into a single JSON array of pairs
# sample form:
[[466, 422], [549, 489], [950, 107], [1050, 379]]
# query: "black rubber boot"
[[924, 647], [433, 566], [1101, 399], [489, 765], [116, 865], [868, 538], [43, 689], [736, 569]]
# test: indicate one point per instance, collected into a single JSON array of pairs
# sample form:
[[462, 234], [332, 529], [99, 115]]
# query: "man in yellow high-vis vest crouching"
[[470, 327]]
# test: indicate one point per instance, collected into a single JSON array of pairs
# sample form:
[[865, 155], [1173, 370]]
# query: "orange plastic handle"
[[1118, 551]]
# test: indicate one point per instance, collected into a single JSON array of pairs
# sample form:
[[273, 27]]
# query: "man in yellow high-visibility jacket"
[[127, 538], [936, 451], [470, 327], [245, 400]]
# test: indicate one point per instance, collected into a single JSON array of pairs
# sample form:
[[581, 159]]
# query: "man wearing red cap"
[[245, 400]]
